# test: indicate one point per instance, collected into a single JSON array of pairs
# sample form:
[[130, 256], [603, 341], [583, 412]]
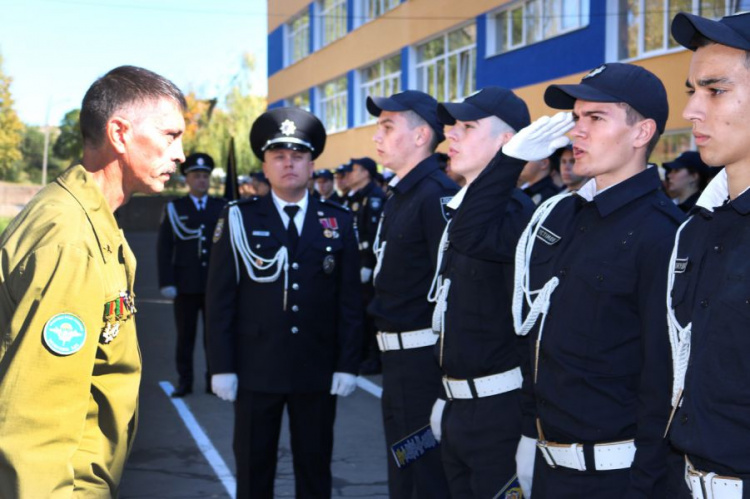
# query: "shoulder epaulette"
[[243, 201], [334, 204]]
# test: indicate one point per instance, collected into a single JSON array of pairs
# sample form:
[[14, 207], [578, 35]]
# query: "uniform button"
[[718, 248], [599, 277], [295, 265], [295, 286], [328, 248], [582, 228], [202, 226], [203, 238], [630, 232], [204, 264], [205, 251], [295, 330], [257, 246], [704, 303], [295, 308], [684, 419], [563, 272]]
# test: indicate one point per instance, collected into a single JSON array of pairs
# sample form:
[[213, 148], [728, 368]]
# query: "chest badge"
[[218, 230], [547, 236], [681, 265], [64, 334], [329, 264]]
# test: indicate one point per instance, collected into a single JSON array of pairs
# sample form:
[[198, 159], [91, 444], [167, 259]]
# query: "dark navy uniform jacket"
[[367, 204], [479, 337], [542, 190], [712, 290], [298, 349], [183, 263], [413, 221], [605, 362]]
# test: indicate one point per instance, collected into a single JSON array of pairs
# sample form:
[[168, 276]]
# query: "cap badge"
[[200, 162], [595, 72], [288, 127]]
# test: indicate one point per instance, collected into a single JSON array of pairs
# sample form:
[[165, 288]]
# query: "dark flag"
[[231, 186]]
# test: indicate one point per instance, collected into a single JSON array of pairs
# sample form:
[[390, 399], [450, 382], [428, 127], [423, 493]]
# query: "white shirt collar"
[[197, 201], [458, 198], [715, 193], [299, 217]]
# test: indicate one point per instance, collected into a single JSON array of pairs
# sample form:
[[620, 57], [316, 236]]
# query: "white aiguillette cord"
[[181, 231], [522, 292], [250, 259], [439, 292]]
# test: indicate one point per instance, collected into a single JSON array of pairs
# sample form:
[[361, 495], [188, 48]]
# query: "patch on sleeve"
[[219, 229], [64, 334], [547, 236]]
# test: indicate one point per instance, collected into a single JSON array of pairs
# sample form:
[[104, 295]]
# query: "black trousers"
[[186, 310], [257, 424], [480, 438], [411, 384]]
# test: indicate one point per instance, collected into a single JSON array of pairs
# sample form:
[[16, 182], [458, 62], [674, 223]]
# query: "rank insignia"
[[329, 263], [64, 334], [219, 229]]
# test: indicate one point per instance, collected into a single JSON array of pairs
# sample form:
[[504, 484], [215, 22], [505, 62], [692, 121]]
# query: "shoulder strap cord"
[[378, 249], [438, 293], [521, 288], [679, 337], [181, 231], [251, 260]]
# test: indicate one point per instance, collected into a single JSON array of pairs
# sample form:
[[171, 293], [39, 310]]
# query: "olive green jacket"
[[67, 420]]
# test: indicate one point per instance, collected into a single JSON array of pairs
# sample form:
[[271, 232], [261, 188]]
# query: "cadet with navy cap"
[[284, 311], [709, 296], [183, 250], [686, 177], [482, 359], [366, 200], [588, 282], [408, 131], [324, 186]]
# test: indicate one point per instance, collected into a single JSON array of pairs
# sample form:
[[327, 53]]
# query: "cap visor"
[[565, 96], [685, 26], [376, 105], [449, 112]]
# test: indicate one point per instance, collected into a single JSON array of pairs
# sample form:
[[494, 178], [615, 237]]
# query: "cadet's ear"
[[119, 131], [644, 131]]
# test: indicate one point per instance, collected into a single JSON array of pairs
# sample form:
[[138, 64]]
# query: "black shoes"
[[181, 391]]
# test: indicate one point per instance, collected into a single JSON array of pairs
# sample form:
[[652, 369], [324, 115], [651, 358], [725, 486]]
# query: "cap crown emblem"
[[595, 72], [288, 127]]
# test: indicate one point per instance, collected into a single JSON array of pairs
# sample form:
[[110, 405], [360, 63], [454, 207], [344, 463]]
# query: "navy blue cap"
[[732, 31], [287, 128], [366, 163], [691, 160], [326, 174], [409, 100], [197, 162], [616, 82], [489, 101], [345, 168]]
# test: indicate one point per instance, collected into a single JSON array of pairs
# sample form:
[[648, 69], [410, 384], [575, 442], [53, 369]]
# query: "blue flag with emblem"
[[414, 446], [511, 490]]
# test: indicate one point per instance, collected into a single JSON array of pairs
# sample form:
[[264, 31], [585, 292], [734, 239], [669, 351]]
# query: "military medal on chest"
[[330, 227], [117, 312]]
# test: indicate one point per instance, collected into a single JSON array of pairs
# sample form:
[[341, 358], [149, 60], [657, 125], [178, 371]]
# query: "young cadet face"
[[198, 182], [394, 140], [473, 144], [680, 181], [719, 104], [567, 162], [604, 145], [154, 147], [288, 172]]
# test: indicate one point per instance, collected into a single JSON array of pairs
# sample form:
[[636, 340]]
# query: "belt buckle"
[[447, 387], [701, 476], [542, 446]]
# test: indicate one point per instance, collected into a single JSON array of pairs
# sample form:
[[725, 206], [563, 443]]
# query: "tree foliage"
[[11, 129], [69, 144]]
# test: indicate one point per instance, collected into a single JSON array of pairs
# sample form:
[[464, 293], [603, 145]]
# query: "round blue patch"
[[64, 334]]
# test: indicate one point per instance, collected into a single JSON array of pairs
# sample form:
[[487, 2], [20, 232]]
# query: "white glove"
[[365, 274], [225, 386], [540, 139], [525, 456], [169, 292], [343, 384], [436, 418]]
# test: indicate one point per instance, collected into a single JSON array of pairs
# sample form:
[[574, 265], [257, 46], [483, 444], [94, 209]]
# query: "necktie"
[[291, 229], [201, 204]]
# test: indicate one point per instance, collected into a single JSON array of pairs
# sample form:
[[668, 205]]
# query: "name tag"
[[261, 233], [547, 236], [680, 265], [411, 448]]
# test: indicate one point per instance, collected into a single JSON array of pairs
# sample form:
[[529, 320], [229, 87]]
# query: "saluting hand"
[[540, 139]]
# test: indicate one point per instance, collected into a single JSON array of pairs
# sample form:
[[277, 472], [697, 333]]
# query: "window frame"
[[322, 100], [422, 66], [289, 37], [321, 21], [393, 79], [361, 11]]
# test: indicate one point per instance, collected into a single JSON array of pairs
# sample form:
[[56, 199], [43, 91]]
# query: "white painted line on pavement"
[[204, 444], [369, 387]]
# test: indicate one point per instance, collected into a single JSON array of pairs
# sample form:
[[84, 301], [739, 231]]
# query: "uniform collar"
[[716, 194], [82, 186], [423, 169], [544, 183], [616, 196]]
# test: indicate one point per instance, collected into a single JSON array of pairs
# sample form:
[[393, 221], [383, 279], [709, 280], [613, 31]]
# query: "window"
[[445, 66], [671, 144], [529, 21], [367, 10], [333, 103], [331, 21], [644, 25], [301, 100], [379, 80], [298, 38]]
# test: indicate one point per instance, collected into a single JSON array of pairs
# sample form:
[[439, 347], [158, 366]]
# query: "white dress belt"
[[609, 456], [407, 340], [707, 485], [486, 386]]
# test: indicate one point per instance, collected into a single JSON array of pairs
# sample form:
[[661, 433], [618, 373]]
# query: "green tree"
[[32, 150], [11, 129], [69, 144]]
